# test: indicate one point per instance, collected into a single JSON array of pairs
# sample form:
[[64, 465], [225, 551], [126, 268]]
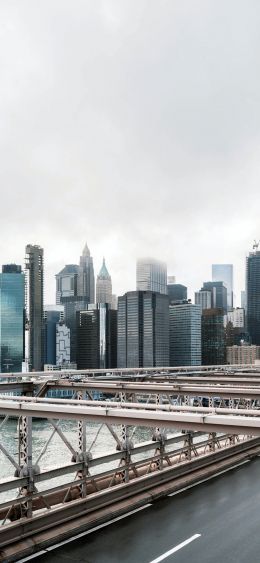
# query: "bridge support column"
[[126, 445], [25, 461]]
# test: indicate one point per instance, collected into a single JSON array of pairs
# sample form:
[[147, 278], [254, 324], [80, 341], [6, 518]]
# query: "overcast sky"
[[133, 125]]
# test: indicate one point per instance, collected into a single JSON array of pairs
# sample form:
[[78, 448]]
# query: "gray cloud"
[[133, 125]]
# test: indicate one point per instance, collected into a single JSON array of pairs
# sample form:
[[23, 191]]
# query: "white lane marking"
[[82, 534], [208, 478], [176, 548], [42, 552]]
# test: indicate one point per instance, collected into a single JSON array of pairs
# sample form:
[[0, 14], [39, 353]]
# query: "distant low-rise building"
[[239, 355]]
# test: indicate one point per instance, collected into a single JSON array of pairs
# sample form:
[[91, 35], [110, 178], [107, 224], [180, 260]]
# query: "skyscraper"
[[86, 278], [185, 335], [53, 314], [203, 298], [253, 295], [104, 286], [224, 273], [218, 294], [66, 282], [143, 329], [97, 337], [71, 306], [176, 292], [213, 337], [151, 275], [34, 265], [11, 318]]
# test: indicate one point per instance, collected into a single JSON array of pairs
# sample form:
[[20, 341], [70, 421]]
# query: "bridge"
[[165, 429]]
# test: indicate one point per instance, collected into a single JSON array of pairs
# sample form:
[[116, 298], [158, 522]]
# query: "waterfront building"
[[143, 329], [66, 282], [53, 314], [12, 316], [243, 354], [176, 292], [151, 275], [253, 295], [185, 335], [224, 273], [213, 337], [97, 337], [34, 266], [203, 298], [218, 294], [104, 286], [86, 278]]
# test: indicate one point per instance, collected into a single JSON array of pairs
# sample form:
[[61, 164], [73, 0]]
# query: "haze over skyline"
[[133, 126]]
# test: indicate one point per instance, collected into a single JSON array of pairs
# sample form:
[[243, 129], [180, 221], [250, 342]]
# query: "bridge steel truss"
[[186, 437]]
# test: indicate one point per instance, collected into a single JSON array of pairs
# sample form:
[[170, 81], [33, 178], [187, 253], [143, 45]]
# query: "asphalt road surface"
[[215, 522]]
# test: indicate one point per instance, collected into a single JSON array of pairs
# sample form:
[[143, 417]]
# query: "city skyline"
[[124, 282], [139, 150]]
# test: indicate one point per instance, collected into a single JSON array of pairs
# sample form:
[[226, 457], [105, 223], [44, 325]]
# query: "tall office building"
[[243, 299], [34, 295], [203, 298], [218, 294], [185, 335], [11, 318], [62, 345], [86, 278], [253, 295], [66, 282], [53, 314], [143, 329], [104, 286], [71, 306], [213, 337], [97, 337], [151, 275], [176, 292], [224, 273]]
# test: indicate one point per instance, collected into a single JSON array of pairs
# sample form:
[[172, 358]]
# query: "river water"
[[57, 453]]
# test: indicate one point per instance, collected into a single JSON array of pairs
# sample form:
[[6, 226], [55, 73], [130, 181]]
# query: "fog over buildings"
[[133, 125]]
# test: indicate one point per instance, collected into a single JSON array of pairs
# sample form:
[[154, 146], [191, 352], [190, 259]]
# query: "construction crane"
[[256, 245]]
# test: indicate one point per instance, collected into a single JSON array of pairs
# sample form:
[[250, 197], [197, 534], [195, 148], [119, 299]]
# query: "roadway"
[[217, 520]]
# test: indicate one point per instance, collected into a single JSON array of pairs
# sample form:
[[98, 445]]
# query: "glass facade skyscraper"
[[66, 282], [176, 292], [185, 335], [96, 337], [218, 294], [253, 296], [143, 329], [151, 275], [12, 304], [213, 337], [224, 273]]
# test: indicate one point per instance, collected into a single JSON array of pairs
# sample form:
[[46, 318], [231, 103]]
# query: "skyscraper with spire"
[[104, 286], [86, 277]]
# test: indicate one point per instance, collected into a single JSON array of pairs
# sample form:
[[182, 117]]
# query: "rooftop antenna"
[[256, 245]]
